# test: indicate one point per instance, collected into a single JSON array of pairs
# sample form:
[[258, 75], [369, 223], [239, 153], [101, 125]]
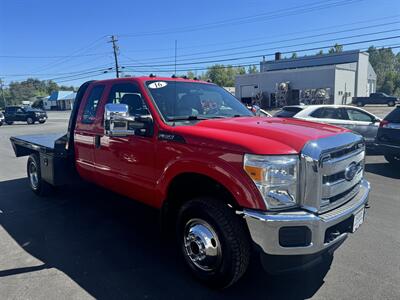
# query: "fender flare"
[[242, 189]]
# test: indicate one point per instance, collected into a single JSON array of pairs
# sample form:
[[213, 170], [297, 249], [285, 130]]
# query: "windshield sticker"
[[157, 85]]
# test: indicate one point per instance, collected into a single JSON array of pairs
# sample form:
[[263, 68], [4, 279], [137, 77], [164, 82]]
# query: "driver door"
[[125, 164], [20, 114]]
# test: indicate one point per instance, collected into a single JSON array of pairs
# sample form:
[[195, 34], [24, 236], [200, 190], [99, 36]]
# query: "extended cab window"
[[129, 94], [89, 113]]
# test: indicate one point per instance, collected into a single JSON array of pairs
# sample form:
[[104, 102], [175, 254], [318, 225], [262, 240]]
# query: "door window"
[[129, 94], [89, 113], [358, 115], [328, 113]]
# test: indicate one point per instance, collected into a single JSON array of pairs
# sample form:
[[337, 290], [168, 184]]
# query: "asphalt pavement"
[[85, 243]]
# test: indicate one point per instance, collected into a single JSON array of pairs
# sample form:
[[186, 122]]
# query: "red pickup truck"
[[225, 181]]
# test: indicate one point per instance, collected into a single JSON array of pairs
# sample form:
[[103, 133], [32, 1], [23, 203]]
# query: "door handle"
[[97, 141]]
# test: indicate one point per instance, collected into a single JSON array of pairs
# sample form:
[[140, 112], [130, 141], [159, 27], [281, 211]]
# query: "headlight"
[[275, 177]]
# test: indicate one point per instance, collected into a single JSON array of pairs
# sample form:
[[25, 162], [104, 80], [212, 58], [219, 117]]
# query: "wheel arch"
[[188, 185]]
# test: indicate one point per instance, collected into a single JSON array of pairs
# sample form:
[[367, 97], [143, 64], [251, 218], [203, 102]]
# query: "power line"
[[52, 56], [258, 55], [84, 77], [159, 59], [280, 35], [100, 72], [247, 64], [80, 74], [138, 62], [69, 57], [304, 8], [55, 74]]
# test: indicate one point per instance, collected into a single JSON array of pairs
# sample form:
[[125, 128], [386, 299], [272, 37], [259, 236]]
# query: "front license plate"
[[358, 219]]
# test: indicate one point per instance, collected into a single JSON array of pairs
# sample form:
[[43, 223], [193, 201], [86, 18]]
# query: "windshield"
[[287, 112], [194, 101]]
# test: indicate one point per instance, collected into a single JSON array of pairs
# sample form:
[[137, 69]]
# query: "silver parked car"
[[353, 118]]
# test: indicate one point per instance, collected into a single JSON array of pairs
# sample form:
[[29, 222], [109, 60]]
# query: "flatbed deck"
[[44, 143]]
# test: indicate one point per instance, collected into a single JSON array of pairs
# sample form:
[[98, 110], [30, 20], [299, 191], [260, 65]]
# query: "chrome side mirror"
[[118, 122]]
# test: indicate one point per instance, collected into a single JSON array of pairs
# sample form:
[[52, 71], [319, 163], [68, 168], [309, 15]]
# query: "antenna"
[[176, 53]]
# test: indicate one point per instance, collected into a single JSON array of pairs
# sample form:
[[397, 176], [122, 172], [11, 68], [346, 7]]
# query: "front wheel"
[[36, 183], [214, 241], [360, 104], [9, 122], [391, 103], [30, 121], [393, 159], [42, 122]]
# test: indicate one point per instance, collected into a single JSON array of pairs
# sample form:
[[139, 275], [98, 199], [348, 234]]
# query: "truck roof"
[[152, 78]]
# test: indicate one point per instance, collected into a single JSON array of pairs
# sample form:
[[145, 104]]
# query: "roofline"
[[316, 55], [152, 78]]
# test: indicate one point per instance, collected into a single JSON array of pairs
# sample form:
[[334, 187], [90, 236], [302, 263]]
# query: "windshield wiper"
[[186, 118]]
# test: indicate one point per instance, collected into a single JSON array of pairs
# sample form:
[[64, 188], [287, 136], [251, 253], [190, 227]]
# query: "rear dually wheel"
[[36, 183]]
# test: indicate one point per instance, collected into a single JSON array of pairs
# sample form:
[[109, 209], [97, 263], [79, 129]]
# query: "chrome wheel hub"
[[201, 245], [33, 175]]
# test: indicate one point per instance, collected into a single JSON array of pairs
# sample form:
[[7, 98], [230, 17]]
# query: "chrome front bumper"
[[264, 227]]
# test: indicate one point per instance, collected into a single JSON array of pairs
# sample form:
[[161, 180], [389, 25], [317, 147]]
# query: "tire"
[[42, 122], [1, 123], [30, 121], [393, 159], [36, 183], [228, 243], [9, 122], [360, 104], [391, 103]]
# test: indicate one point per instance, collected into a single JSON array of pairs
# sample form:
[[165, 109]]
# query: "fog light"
[[299, 236]]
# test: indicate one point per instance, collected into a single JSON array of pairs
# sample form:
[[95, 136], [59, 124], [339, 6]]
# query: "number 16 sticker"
[[157, 84]]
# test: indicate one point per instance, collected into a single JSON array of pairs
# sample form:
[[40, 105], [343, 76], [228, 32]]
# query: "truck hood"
[[258, 135]]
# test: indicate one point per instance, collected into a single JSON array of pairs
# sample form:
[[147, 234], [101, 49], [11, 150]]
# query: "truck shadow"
[[112, 248], [383, 169]]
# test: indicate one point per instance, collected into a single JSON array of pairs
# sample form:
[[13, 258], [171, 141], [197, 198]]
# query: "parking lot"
[[88, 243]]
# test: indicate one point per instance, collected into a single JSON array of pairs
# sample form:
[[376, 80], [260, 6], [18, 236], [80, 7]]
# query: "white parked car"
[[353, 118]]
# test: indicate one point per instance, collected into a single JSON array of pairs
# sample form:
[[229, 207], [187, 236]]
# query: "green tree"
[[252, 69], [294, 55], [387, 68], [337, 48], [190, 75], [224, 75], [30, 89], [320, 52]]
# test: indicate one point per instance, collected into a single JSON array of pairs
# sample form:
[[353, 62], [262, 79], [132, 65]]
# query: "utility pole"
[[115, 49], [2, 92]]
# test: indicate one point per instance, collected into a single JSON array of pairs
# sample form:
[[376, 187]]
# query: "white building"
[[340, 76]]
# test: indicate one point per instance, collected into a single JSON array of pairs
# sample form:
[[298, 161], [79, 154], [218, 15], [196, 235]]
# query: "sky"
[[68, 41]]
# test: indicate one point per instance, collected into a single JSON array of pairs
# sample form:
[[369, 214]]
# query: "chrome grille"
[[331, 171]]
